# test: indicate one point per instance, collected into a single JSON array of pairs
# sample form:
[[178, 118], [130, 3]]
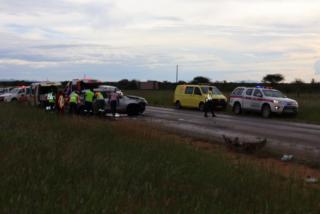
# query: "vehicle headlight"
[[276, 101]]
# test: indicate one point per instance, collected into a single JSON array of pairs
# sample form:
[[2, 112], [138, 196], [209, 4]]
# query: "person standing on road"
[[209, 105], [74, 100], [114, 101], [88, 101]]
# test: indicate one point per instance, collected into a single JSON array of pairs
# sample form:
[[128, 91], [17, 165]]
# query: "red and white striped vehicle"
[[260, 99]]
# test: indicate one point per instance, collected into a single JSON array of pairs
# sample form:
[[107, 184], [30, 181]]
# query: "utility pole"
[[177, 73]]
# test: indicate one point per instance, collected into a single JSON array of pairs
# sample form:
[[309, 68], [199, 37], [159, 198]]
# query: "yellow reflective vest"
[[89, 96], [74, 97]]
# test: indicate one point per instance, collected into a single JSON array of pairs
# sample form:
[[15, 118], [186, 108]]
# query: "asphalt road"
[[285, 137]]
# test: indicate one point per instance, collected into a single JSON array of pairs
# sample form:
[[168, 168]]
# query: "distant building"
[[149, 85]]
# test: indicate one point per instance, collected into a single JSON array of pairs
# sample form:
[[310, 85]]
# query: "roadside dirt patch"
[[290, 169]]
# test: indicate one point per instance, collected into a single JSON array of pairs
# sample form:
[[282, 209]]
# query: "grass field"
[[309, 104], [63, 164]]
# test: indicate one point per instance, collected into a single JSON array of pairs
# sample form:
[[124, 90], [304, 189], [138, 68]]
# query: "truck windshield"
[[273, 93]]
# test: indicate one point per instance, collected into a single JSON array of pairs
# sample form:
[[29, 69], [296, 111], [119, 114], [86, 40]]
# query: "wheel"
[[178, 105], [133, 110], [237, 108], [142, 108], [266, 111], [201, 106]]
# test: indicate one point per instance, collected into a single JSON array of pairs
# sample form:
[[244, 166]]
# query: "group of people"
[[75, 102]]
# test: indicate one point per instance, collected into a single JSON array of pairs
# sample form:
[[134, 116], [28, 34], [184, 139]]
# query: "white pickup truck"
[[260, 99], [17, 94]]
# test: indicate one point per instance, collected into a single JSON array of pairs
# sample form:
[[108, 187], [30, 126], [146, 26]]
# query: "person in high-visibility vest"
[[209, 105], [51, 101], [100, 102], [88, 100], [74, 100]]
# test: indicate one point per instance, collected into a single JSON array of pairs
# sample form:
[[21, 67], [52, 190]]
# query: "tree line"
[[271, 80]]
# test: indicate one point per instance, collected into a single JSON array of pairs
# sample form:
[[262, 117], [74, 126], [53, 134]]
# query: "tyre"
[[178, 105], [266, 111], [201, 106], [133, 110], [142, 108], [237, 108]]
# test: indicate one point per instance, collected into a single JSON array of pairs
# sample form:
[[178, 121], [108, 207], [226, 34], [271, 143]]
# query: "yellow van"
[[193, 96]]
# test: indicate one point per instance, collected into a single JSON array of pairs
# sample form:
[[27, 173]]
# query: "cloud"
[[145, 39], [317, 67]]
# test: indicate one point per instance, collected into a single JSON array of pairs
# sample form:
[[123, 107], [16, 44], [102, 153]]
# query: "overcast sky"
[[110, 40]]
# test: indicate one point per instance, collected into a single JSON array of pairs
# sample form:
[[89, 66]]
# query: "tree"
[[298, 81], [273, 78], [200, 79], [181, 82]]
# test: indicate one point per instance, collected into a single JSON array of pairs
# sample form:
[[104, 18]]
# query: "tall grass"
[[54, 164], [155, 97]]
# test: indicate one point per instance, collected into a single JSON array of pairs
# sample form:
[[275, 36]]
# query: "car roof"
[[200, 85], [46, 84], [106, 88]]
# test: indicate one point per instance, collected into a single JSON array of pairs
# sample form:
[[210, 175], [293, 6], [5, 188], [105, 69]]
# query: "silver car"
[[128, 104]]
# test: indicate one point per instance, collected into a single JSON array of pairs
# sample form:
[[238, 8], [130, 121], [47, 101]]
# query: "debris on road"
[[286, 157], [310, 179], [244, 146]]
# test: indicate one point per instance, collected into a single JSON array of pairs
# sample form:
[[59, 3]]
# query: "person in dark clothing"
[[114, 100], [209, 105]]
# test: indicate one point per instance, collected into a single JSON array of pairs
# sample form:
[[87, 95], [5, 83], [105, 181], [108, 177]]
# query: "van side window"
[[189, 90], [257, 93], [249, 92], [197, 91]]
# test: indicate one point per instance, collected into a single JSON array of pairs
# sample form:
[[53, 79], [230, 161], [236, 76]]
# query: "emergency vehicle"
[[263, 100], [40, 92], [80, 86], [20, 94], [194, 96]]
